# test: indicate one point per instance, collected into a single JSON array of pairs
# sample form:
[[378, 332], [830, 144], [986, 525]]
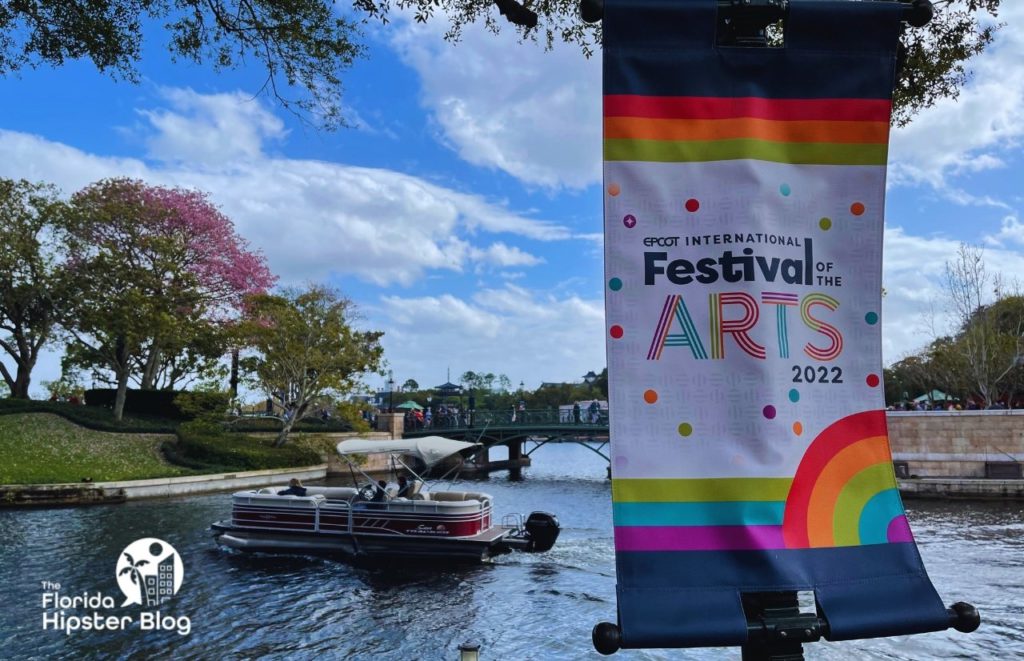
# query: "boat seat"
[[451, 496]]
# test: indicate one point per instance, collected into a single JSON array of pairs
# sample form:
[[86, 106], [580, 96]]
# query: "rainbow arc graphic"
[[843, 494]]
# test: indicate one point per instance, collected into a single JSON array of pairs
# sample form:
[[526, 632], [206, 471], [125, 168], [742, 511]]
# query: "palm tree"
[[133, 567]]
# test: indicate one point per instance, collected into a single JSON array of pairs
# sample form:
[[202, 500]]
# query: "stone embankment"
[[958, 454]]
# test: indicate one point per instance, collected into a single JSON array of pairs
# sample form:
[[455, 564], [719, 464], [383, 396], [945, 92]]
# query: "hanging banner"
[[744, 198]]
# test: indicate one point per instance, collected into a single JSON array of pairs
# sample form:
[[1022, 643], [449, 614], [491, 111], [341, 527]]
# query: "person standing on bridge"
[[576, 413]]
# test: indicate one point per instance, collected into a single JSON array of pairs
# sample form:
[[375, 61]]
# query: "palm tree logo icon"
[[149, 572], [133, 569]]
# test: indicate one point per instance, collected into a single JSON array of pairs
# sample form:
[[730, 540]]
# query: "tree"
[[991, 353], [300, 43], [307, 349], [304, 43], [161, 274], [30, 282], [410, 385]]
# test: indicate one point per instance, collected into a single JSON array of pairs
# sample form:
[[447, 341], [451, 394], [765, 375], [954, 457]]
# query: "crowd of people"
[[946, 405]]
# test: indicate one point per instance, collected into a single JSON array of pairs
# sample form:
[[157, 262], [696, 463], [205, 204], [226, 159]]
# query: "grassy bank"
[[43, 448], [47, 443]]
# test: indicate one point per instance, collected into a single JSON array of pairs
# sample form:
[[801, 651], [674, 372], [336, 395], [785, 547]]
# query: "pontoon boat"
[[438, 525]]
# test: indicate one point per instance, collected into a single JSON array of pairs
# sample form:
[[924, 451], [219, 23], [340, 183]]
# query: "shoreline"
[[101, 493]]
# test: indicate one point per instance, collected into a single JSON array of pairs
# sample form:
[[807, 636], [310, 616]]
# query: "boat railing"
[[514, 521], [253, 509]]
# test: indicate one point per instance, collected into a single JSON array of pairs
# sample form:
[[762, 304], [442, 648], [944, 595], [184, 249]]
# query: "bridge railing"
[[520, 418]]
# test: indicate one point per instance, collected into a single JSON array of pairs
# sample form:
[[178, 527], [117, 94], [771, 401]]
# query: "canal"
[[519, 607]]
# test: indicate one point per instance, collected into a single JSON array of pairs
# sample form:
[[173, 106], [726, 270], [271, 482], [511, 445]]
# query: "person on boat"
[[404, 487], [295, 488], [379, 494]]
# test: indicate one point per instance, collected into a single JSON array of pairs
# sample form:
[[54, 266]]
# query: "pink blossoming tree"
[[162, 275]]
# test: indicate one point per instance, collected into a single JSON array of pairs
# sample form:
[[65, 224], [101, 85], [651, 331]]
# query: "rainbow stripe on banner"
[[676, 515], [844, 494], [704, 129]]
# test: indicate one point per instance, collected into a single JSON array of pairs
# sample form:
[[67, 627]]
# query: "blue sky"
[[462, 212]]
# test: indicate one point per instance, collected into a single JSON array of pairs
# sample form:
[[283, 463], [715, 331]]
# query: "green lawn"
[[41, 448]]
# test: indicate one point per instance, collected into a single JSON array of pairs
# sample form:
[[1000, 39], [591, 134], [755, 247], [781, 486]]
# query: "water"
[[520, 607]]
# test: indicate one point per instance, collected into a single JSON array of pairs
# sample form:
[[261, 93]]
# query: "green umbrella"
[[409, 405]]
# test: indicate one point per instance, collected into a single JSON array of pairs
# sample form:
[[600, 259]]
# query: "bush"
[[211, 406], [205, 445], [310, 425], [159, 403]]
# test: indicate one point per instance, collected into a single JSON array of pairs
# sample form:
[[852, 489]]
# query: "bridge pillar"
[[391, 422], [515, 455]]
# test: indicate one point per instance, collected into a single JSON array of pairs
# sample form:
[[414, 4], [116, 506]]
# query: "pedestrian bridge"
[[523, 432]]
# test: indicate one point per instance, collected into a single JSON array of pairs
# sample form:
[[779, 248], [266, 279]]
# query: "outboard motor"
[[541, 531]]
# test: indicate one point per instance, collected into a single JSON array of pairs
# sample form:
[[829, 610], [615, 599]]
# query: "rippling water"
[[519, 607]]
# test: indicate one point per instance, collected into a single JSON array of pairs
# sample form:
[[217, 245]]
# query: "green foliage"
[[308, 349], [67, 387], [207, 406], [166, 404], [349, 414], [207, 446], [31, 289], [44, 449], [937, 54], [983, 356], [310, 425], [299, 43], [304, 44], [554, 395]]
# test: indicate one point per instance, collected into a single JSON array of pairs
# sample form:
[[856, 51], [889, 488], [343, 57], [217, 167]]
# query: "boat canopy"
[[430, 449]]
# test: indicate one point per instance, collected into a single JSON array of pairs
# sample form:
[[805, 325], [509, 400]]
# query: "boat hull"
[[369, 546]]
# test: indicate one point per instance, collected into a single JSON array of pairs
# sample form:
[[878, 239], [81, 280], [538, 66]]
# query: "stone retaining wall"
[[955, 443], [23, 495]]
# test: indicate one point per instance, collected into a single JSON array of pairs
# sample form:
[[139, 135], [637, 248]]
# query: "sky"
[[462, 211]]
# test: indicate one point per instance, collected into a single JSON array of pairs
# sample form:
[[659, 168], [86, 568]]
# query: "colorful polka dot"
[[798, 428], [871, 318], [685, 429], [785, 190], [857, 209], [769, 412], [825, 224], [692, 205], [615, 284], [872, 380], [650, 396], [616, 331], [614, 190], [794, 395], [629, 220]]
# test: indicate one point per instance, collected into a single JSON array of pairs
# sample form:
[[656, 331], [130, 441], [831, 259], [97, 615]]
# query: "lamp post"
[[391, 392]]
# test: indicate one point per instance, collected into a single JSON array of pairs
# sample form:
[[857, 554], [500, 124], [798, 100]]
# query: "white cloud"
[[311, 218], [317, 219], [510, 106], [973, 133], [1011, 231], [210, 129], [528, 336], [914, 310]]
